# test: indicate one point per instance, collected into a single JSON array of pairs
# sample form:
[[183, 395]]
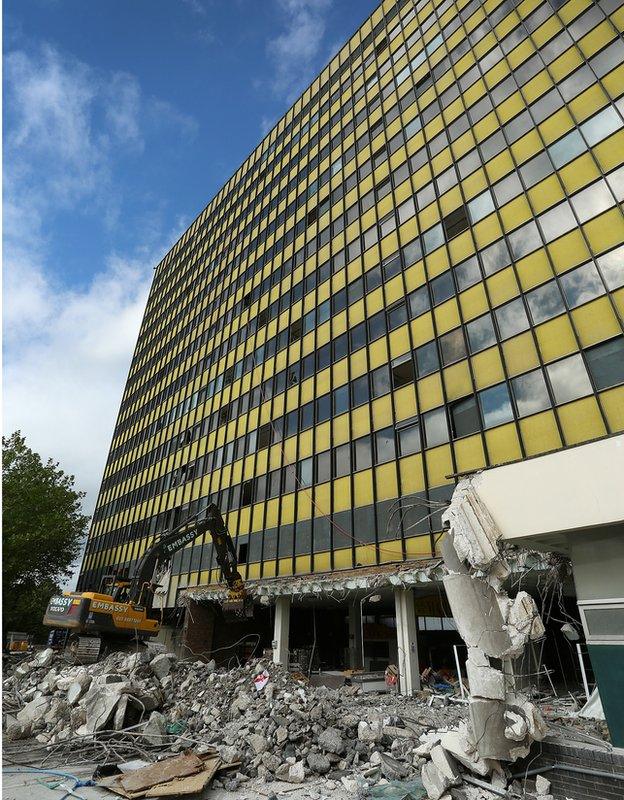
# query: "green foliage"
[[43, 530]]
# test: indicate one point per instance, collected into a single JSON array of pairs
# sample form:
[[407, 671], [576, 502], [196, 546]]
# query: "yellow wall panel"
[[581, 421]]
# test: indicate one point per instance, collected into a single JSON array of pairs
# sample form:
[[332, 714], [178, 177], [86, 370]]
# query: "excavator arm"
[[141, 589]]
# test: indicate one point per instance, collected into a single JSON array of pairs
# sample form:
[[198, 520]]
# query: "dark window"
[[242, 553], [427, 359], [397, 315], [224, 415], [323, 408], [373, 279], [340, 347], [295, 330], [264, 435], [228, 376], [359, 391], [402, 371], [442, 287], [465, 417], [291, 423], [456, 222], [307, 416], [377, 326], [247, 492], [357, 336], [324, 356], [606, 362], [312, 216]]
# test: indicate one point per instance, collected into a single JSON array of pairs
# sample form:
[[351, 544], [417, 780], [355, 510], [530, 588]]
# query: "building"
[[418, 273]]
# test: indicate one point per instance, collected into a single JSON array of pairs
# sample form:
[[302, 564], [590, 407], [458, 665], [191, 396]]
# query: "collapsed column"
[[281, 630], [409, 678]]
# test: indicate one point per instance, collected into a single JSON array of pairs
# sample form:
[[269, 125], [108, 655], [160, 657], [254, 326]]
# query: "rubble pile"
[[258, 715]]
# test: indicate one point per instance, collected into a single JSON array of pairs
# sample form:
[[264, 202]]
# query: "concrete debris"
[[502, 723], [542, 785]]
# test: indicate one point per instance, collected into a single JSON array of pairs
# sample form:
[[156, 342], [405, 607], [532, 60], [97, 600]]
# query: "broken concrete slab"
[[459, 746], [155, 732], [477, 614], [487, 724], [331, 741], [434, 781], [485, 682], [161, 665]]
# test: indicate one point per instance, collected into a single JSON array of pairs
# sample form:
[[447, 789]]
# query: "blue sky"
[[121, 120]]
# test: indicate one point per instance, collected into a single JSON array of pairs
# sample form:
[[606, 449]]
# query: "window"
[[530, 393], [295, 331], [397, 315], [557, 221], [452, 346], [357, 337], [612, 56], [511, 319], [602, 125], [433, 238], [455, 222], [242, 552], [467, 273], [536, 169], [495, 405], [464, 417], [384, 445], [409, 438], [247, 492], [363, 454], [418, 302], [581, 285], [436, 428], [566, 149], [323, 408], [606, 363], [481, 333], [264, 435], [524, 240], [323, 467], [359, 391], [569, 379], [427, 359], [442, 287], [402, 371], [412, 252], [612, 268], [481, 206], [380, 381], [306, 472], [342, 460], [592, 201], [507, 189], [406, 210], [307, 416], [545, 302], [495, 257], [274, 483]]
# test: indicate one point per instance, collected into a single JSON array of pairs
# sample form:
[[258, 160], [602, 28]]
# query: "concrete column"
[[409, 676], [280, 631], [355, 636]]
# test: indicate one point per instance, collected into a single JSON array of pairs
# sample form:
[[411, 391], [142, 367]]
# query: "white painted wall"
[[563, 492]]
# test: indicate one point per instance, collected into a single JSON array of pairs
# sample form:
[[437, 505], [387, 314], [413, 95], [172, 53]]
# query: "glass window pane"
[[384, 445], [481, 333], [557, 221], [602, 125], [511, 319], [612, 268], [481, 206], [397, 316], [427, 359], [507, 189], [419, 302], [467, 273], [567, 148], [342, 460], [363, 454], [615, 180], [592, 201], [442, 287], [452, 346], [530, 393], [495, 257], [581, 285], [306, 471], [545, 302], [524, 240], [433, 238], [606, 363], [569, 379], [465, 417], [436, 428], [359, 391], [409, 440], [495, 405]]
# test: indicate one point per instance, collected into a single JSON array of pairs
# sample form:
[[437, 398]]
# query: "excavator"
[[122, 610]]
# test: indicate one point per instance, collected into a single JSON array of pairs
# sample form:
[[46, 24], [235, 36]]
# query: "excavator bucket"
[[238, 606]]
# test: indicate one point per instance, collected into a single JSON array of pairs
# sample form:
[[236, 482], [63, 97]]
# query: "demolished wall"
[[502, 722]]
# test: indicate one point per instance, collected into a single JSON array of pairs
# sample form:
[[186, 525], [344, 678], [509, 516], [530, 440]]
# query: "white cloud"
[[295, 49], [67, 348]]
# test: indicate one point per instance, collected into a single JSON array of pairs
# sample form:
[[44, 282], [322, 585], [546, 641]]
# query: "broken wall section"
[[502, 721]]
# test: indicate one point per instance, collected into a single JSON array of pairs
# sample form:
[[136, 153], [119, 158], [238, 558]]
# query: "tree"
[[43, 530]]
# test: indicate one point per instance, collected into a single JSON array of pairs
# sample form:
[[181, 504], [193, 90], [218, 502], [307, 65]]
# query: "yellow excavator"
[[122, 610]]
